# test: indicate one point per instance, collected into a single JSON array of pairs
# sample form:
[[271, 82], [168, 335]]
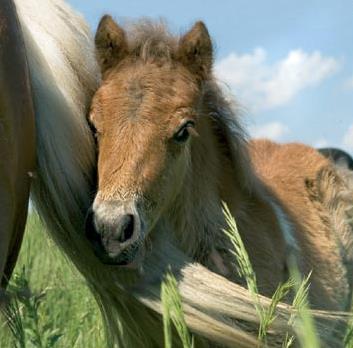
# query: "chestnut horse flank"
[[16, 134], [178, 151]]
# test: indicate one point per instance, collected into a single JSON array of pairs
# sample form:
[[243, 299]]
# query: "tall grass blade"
[[173, 313]]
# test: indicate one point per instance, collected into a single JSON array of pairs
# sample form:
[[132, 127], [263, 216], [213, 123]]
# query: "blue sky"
[[289, 63]]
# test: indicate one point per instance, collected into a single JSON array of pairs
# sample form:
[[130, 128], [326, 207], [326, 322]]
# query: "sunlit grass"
[[173, 313], [301, 319], [51, 306]]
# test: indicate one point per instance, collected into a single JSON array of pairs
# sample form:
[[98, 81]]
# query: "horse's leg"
[[17, 145]]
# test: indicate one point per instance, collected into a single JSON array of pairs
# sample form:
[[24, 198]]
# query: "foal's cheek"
[[176, 173]]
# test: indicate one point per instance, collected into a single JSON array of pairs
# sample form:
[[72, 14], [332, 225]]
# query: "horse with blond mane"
[[170, 150]]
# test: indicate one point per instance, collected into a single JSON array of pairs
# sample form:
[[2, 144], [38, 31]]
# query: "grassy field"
[[57, 309], [54, 306]]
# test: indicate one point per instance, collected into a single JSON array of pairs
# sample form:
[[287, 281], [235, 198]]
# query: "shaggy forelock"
[[151, 40]]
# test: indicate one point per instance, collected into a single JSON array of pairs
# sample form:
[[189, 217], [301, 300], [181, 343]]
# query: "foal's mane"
[[231, 134]]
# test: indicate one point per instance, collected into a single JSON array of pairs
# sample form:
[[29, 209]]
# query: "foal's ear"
[[111, 44], [195, 50]]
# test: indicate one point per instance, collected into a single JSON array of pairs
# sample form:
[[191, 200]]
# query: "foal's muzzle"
[[115, 231]]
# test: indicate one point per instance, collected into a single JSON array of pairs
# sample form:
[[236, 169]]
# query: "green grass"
[[301, 319], [173, 313], [52, 306]]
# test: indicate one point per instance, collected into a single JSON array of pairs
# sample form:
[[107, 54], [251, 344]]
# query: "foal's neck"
[[197, 218], [196, 214]]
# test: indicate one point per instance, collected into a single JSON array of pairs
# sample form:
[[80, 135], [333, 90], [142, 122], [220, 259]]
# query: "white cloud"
[[272, 130], [261, 85], [348, 139], [348, 84]]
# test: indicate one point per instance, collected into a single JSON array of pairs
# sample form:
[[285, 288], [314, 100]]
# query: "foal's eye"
[[182, 135]]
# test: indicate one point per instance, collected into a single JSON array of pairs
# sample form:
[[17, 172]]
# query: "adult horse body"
[[63, 77], [16, 138]]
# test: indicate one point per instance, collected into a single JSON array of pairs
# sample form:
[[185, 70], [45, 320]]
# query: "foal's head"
[[145, 113]]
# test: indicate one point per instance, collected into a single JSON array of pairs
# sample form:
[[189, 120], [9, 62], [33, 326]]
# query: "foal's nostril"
[[113, 234], [127, 228]]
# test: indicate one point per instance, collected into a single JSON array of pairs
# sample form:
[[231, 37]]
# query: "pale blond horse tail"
[[64, 76]]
